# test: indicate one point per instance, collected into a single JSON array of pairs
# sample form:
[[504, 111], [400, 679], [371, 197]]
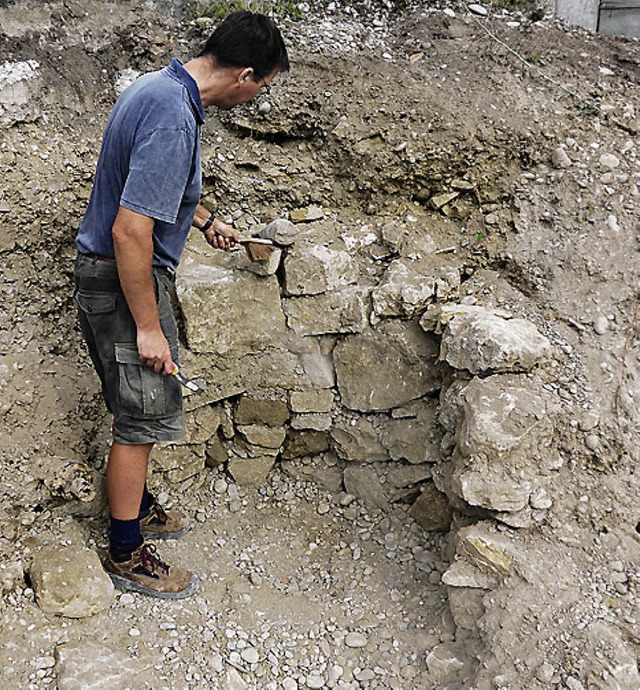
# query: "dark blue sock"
[[148, 499], [125, 537]]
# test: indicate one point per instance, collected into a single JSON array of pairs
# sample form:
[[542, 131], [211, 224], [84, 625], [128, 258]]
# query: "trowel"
[[193, 385]]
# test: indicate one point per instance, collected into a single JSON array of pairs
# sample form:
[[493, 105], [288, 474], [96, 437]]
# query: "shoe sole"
[[125, 585], [153, 534]]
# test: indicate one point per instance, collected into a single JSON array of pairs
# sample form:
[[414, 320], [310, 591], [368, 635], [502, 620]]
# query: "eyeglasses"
[[266, 88]]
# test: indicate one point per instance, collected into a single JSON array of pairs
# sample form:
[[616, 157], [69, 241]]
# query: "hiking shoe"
[[160, 524], [147, 573]]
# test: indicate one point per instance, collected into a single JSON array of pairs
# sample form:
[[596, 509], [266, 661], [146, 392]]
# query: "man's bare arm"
[[133, 244]]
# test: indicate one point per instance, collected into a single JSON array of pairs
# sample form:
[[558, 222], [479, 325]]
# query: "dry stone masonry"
[[415, 461]]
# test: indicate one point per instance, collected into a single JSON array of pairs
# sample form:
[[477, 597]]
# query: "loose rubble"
[[414, 462]]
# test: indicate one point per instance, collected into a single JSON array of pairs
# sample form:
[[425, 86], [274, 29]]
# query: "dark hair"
[[248, 39]]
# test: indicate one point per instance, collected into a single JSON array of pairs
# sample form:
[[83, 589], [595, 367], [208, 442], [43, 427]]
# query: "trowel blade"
[[194, 385]]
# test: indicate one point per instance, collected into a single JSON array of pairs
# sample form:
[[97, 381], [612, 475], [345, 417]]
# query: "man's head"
[[249, 44]]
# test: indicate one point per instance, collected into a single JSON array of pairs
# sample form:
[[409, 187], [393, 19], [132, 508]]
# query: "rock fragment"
[[432, 510], [88, 665], [362, 481], [71, 582]]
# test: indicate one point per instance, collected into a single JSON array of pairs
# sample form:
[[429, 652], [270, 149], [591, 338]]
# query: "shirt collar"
[[177, 71]]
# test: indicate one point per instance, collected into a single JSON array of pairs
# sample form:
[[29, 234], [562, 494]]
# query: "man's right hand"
[[154, 351], [222, 236]]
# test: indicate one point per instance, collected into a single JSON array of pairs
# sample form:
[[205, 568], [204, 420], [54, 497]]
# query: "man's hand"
[[154, 351], [221, 236]]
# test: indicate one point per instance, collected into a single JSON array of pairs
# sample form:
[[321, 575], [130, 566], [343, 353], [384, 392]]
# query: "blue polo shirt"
[[149, 163]]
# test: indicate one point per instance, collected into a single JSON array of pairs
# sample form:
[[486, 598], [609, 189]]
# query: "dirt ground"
[[382, 109]]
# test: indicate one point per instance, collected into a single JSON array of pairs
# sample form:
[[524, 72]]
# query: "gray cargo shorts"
[[146, 406]]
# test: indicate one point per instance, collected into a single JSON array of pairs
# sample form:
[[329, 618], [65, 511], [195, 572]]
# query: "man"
[[143, 203]]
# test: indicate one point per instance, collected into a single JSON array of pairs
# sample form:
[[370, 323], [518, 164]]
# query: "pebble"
[[289, 684], [608, 161], [355, 640], [365, 675], [134, 632], [592, 441], [335, 672], [574, 684], [250, 655], [478, 9], [126, 599], [220, 486], [545, 673], [314, 680], [560, 158], [612, 224], [601, 325], [540, 500]]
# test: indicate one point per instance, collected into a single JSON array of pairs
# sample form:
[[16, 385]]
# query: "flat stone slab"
[[89, 665], [386, 368]]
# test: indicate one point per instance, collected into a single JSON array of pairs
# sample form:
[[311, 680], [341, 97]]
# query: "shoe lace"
[[150, 561], [159, 514]]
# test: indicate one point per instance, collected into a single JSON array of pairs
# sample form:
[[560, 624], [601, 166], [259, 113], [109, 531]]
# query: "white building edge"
[[611, 17]]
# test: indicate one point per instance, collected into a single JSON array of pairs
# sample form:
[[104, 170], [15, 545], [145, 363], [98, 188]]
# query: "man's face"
[[248, 87]]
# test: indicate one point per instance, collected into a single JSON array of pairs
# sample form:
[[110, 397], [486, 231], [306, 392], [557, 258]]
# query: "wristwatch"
[[208, 223]]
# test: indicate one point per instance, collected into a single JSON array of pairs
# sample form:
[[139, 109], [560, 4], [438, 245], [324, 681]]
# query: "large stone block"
[[301, 443], [483, 341], [20, 85], [228, 312], [409, 285], [386, 367], [201, 425], [500, 414], [178, 462], [504, 433], [311, 269], [251, 472], [273, 413], [340, 311], [432, 510], [311, 400], [93, 665], [263, 436], [362, 481]]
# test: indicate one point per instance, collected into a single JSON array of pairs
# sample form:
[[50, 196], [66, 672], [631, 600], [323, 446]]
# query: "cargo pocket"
[[96, 302], [143, 392]]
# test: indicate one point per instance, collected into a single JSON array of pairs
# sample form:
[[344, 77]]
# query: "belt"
[[101, 257], [106, 284]]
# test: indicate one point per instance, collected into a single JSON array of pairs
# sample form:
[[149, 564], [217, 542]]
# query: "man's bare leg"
[[126, 476]]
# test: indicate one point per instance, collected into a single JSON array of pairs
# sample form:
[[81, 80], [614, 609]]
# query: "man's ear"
[[245, 74]]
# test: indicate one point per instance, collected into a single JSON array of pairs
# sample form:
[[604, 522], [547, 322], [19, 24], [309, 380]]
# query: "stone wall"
[[354, 351]]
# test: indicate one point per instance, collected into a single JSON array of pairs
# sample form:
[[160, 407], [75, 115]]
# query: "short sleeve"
[[159, 169]]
